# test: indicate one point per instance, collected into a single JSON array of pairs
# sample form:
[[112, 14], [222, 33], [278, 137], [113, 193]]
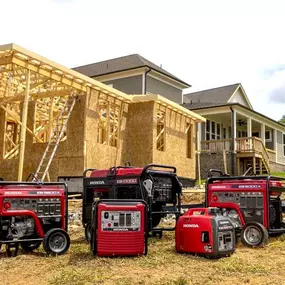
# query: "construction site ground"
[[162, 265]]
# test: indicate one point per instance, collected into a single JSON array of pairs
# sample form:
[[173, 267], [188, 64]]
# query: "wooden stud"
[[24, 127]]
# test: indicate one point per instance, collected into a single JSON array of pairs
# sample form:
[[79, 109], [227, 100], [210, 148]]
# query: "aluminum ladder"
[[54, 140]]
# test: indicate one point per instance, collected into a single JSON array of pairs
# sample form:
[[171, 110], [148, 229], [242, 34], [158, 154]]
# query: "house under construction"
[[55, 122]]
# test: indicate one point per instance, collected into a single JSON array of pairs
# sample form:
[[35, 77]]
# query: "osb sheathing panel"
[[175, 152], [9, 169], [138, 147], [98, 155]]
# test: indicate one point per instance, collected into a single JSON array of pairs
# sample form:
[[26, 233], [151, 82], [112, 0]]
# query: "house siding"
[[129, 85], [280, 155], [155, 86], [239, 98]]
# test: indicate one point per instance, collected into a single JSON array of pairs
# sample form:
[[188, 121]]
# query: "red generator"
[[119, 228], [157, 185], [32, 213], [252, 202], [204, 231]]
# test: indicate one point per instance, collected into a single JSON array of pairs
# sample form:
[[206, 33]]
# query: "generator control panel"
[[121, 220]]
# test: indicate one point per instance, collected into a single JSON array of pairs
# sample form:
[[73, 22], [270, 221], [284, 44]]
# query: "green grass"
[[279, 174]]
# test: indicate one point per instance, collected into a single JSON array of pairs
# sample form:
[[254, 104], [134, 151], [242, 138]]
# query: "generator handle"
[[88, 170], [160, 166], [211, 171], [204, 211]]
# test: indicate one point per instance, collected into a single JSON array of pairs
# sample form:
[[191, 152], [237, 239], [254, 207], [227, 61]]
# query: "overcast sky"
[[205, 43]]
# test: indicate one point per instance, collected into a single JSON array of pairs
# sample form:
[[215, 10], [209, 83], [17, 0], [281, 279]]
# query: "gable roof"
[[123, 63], [214, 97]]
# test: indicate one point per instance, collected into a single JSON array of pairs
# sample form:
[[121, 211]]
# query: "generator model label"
[[224, 225], [121, 221], [190, 226], [127, 181], [242, 186], [99, 182]]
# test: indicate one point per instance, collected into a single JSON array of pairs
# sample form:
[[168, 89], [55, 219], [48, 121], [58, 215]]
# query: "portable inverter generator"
[[119, 228], [204, 231]]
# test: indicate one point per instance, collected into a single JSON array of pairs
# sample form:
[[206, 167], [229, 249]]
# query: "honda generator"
[[157, 185], [119, 228], [252, 202], [32, 213], [204, 231]]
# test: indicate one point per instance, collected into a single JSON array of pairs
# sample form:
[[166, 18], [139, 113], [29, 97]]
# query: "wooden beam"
[[50, 128], [24, 127], [20, 123]]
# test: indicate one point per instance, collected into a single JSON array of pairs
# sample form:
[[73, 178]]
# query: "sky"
[[205, 43]]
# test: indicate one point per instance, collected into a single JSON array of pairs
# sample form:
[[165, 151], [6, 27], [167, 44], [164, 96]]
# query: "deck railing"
[[272, 154], [245, 145]]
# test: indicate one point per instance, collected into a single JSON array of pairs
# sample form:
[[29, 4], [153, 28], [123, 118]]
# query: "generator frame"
[[277, 190], [175, 208], [38, 226]]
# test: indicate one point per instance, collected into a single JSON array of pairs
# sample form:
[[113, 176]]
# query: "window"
[[255, 134], [189, 140], [284, 144], [208, 127], [213, 130], [268, 136], [218, 131], [224, 133], [160, 130]]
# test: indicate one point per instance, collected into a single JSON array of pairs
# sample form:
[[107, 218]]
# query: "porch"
[[249, 138], [250, 152]]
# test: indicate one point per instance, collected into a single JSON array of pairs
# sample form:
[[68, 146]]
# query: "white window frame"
[[217, 136], [270, 136]]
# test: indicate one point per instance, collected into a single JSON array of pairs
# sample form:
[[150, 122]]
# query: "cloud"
[[277, 95], [271, 71]]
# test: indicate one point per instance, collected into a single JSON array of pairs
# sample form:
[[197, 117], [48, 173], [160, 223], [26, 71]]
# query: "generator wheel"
[[56, 241], [87, 231], [254, 234], [30, 245], [12, 249]]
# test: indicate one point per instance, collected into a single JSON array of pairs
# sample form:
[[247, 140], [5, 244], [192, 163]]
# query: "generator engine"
[[119, 228], [204, 231], [31, 213]]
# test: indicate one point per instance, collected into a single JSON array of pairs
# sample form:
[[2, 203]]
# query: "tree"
[[282, 120]]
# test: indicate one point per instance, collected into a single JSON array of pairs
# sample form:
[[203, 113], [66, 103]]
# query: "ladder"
[[54, 140]]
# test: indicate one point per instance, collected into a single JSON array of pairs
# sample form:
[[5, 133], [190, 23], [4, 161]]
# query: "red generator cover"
[[120, 228]]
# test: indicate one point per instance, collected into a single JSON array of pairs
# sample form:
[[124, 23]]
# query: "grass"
[[279, 174], [162, 265]]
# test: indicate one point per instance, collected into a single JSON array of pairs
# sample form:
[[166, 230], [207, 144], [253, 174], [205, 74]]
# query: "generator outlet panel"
[[120, 220]]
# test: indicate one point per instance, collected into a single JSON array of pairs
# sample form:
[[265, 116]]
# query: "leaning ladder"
[[51, 148]]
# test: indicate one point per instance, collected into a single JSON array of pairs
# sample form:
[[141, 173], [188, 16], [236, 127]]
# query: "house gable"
[[239, 96]]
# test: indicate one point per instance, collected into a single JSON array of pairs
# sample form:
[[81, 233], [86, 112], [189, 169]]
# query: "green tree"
[[282, 120]]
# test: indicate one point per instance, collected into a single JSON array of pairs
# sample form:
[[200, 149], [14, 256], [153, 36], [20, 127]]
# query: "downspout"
[[233, 144], [149, 69]]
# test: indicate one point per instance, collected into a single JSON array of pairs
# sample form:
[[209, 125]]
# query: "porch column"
[[199, 129], [275, 143], [262, 133], [233, 144], [234, 130], [249, 131]]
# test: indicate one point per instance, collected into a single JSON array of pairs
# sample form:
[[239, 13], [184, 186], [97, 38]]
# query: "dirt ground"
[[162, 265]]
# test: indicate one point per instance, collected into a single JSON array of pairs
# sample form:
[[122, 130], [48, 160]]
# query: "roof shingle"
[[211, 97], [120, 64]]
